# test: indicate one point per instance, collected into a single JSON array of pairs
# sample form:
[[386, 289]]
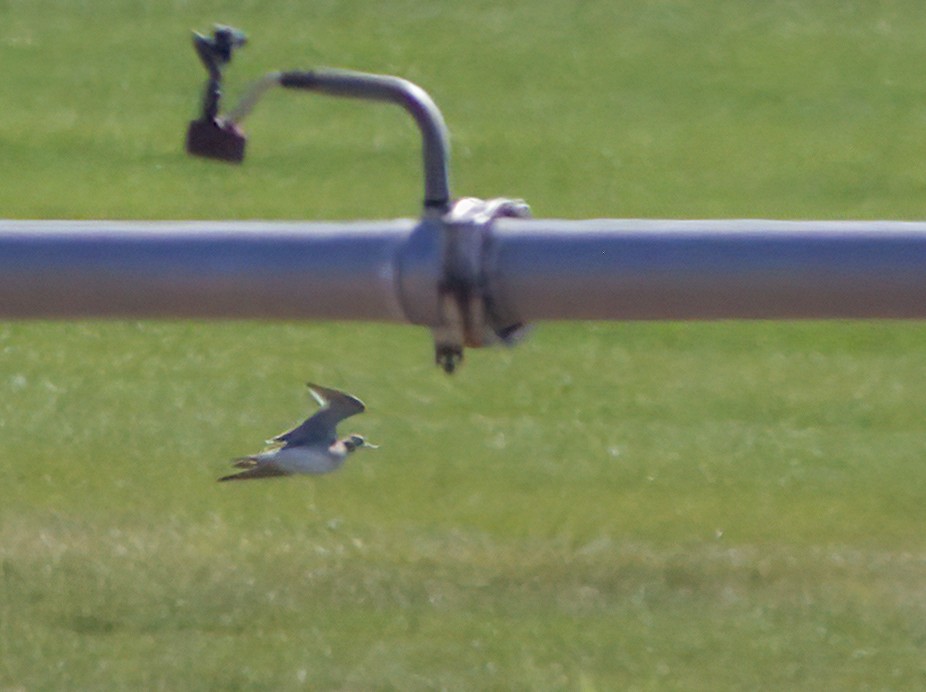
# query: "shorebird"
[[312, 446]]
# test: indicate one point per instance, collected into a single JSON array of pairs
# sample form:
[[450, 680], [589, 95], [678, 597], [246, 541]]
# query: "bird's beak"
[[371, 446]]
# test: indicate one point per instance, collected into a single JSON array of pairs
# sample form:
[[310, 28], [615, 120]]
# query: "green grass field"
[[608, 506]]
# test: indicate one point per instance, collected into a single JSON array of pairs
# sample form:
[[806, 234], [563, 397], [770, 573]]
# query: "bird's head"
[[356, 441]]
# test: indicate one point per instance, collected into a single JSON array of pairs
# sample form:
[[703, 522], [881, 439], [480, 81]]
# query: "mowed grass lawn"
[[621, 506]]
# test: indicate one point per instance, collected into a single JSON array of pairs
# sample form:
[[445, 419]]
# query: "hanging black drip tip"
[[210, 135]]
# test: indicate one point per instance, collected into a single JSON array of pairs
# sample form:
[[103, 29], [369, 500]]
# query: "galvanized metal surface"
[[435, 142], [322, 271], [531, 270], [701, 270], [411, 97]]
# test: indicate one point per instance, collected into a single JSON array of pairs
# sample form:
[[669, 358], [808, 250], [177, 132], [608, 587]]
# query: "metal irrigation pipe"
[[220, 136], [77, 269], [613, 269], [523, 270], [472, 271], [415, 100]]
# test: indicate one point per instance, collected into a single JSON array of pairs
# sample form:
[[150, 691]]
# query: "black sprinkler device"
[[210, 135]]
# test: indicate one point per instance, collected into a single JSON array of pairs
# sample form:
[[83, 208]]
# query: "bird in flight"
[[311, 447]]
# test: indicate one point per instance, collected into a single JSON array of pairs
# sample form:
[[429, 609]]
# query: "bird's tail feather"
[[266, 471]]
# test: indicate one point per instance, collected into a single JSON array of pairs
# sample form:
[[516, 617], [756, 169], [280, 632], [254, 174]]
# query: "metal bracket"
[[467, 313], [445, 259]]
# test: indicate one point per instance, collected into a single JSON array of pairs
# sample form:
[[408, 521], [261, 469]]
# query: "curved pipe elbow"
[[411, 97]]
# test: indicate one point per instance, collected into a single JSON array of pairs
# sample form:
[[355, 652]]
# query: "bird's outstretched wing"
[[335, 407]]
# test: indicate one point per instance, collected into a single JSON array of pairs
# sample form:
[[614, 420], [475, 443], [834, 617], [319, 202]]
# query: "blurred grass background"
[[647, 506]]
